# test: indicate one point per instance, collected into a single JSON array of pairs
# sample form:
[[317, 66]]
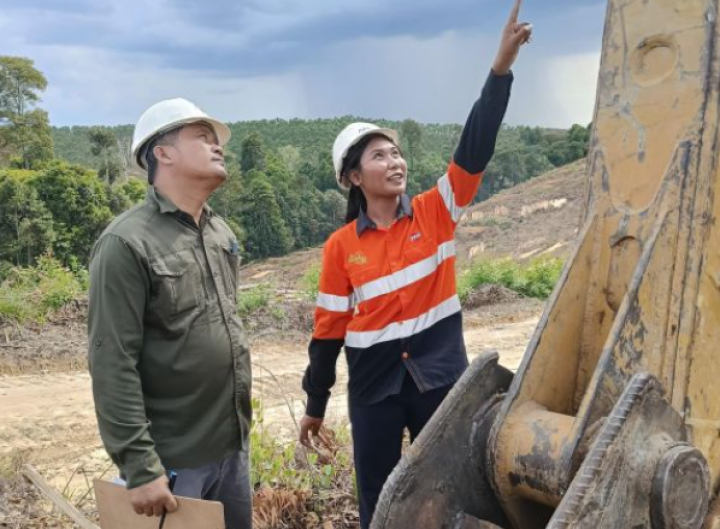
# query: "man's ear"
[[163, 154]]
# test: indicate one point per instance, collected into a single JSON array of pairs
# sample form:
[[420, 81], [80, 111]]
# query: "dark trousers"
[[226, 481], [377, 432]]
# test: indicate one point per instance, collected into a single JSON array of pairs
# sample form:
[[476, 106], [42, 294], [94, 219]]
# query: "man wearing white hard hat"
[[387, 288], [168, 358]]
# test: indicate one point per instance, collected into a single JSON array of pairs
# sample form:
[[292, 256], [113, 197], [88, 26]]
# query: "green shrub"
[[279, 465], [253, 299], [13, 306], [535, 279], [31, 294], [541, 276]]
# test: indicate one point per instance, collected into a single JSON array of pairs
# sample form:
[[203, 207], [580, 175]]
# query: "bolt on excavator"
[[613, 418]]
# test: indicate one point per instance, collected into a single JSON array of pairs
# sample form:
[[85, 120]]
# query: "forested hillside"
[[60, 186], [522, 152]]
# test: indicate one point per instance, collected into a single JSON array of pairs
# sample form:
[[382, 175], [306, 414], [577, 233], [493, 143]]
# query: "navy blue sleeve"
[[320, 375], [477, 143]]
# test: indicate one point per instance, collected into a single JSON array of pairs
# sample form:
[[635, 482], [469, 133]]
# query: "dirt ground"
[[47, 417], [51, 416]]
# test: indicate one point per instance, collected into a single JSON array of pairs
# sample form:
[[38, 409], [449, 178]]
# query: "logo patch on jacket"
[[357, 258], [415, 237]]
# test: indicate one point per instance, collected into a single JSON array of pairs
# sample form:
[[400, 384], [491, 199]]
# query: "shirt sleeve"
[[457, 188], [119, 288], [334, 310]]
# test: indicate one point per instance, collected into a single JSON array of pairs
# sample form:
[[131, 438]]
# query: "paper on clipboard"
[[116, 512]]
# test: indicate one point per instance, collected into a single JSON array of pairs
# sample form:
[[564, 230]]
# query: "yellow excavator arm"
[[613, 419]]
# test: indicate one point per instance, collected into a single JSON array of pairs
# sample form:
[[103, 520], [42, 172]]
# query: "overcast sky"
[[107, 60]]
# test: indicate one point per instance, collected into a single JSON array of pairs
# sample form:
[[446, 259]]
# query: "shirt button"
[[405, 356]]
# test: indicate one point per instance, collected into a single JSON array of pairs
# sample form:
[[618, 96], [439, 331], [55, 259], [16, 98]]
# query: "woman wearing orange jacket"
[[387, 288]]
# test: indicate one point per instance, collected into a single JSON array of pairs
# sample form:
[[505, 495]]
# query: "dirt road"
[[52, 417]]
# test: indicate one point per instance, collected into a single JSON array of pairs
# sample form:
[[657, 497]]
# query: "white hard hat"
[[350, 136], [167, 115]]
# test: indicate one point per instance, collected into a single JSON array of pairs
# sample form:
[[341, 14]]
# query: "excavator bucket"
[[442, 477], [613, 419]]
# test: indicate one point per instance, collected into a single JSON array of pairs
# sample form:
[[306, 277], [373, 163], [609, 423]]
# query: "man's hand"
[[309, 428], [514, 35], [154, 498]]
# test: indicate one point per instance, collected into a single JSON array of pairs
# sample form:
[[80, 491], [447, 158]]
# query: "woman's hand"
[[514, 35], [310, 428]]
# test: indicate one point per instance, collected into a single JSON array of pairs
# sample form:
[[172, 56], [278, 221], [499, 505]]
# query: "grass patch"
[[536, 279], [310, 282], [11, 464], [253, 300], [31, 294], [260, 309]]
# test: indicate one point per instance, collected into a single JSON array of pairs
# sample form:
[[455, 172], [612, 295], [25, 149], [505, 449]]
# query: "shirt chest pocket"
[[176, 282], [418, 251], [231, 264], [362, 274]]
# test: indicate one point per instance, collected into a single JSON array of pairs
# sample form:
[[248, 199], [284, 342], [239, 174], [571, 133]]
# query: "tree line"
[[60, 186]]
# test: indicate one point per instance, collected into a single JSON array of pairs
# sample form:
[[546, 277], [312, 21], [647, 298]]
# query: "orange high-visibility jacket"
[[389, 295]]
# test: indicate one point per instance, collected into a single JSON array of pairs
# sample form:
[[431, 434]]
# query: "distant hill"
[[539, 217], [521, 152], [310, 137]]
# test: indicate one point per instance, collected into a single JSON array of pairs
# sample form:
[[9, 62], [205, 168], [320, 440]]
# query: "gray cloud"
[[260, 37], [107, 60]]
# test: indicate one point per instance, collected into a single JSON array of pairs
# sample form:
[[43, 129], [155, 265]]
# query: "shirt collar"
[[165, 205], [404, 210]]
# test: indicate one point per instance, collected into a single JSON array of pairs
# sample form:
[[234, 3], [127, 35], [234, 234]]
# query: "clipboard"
[[113, 503]]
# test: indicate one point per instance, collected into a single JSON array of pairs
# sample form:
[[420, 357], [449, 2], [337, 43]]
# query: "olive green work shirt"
[[169, 361]]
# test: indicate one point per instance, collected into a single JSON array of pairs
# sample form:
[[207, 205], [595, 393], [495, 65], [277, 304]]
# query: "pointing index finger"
[[515, 13]]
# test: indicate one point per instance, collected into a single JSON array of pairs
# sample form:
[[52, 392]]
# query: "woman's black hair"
[[356, 202], [356, 199]]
